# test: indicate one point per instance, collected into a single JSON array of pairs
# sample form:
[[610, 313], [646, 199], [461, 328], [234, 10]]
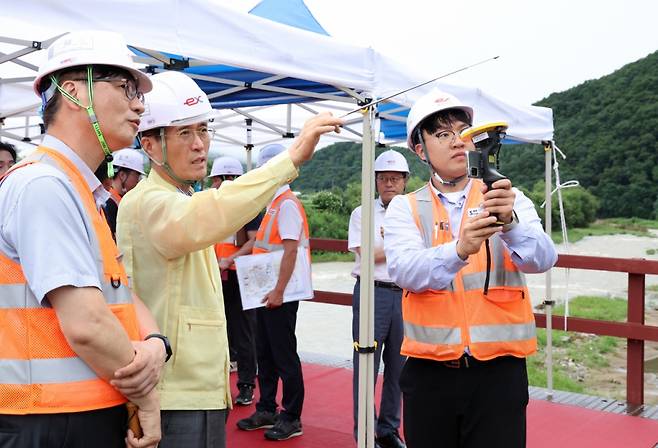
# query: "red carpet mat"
[[327, 420]]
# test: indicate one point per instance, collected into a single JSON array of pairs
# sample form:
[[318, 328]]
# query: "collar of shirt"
[[159, 180], [278, 193], [379, 205], [454, 198], [101, 195]]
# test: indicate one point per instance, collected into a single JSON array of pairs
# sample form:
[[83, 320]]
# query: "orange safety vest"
[[40, 373], [227, 248], [268, 238], [440, 324], [115, 196]]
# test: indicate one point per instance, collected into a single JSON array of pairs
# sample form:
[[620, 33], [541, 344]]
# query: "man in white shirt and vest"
[[465, 381], [76, 343], [391, 176], [284, 228]]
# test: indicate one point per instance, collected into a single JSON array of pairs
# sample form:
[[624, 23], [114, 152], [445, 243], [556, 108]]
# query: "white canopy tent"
[[211, 43]]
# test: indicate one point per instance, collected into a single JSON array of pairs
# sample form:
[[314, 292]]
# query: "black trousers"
[[483, 405], [194, 429], [241, 328], [277, 358], [103, 428]]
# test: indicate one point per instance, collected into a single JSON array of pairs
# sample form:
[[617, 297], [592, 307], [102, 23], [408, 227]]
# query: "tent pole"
[[365, 434], [549, 302], [249, 146]]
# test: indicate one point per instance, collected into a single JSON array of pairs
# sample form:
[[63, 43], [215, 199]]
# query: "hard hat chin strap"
[[165, 164], [92, 116], [433, 172]]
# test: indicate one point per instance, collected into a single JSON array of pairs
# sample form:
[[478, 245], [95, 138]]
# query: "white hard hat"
[[83, 48], [226, 166], [428, 104], [391, 161], [268, 152], [129, 158], [176, 100]]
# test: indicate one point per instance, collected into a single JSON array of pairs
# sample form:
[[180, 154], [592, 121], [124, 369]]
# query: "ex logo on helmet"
[[191, 101]]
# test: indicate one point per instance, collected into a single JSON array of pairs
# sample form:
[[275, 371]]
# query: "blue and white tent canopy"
[[274, 74]]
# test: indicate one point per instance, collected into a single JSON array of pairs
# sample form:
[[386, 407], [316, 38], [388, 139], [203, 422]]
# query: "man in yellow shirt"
[[166, 234]]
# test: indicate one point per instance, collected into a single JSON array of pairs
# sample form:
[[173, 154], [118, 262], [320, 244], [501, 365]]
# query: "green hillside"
[[607, 127], [339, 164]]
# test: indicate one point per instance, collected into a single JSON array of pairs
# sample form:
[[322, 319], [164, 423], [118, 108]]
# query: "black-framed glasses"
[[129, 86]]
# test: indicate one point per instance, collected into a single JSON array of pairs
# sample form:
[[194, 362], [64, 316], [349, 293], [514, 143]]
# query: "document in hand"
[[258, 274]]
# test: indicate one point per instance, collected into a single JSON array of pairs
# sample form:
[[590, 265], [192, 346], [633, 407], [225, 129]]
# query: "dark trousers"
[[103, 428], [484, 405], [277, 358], [241, 328], [194, 429], [389, 332]]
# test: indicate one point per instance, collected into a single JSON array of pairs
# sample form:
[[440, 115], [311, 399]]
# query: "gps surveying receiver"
[[483, 164]]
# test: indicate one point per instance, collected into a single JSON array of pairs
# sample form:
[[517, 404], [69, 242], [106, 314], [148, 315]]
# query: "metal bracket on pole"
[[249, 146]]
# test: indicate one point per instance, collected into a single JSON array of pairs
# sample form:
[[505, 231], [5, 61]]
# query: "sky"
[[544, 46]]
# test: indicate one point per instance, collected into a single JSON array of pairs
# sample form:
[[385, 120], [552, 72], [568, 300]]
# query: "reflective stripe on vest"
[[440, 324], [268, 238], [39, 372]]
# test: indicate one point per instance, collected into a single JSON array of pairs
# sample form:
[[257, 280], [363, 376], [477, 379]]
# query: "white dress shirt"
[[354, 240], [414, 267]]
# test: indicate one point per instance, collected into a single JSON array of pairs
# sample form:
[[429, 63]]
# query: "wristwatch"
[[512, 223], [165, 341]]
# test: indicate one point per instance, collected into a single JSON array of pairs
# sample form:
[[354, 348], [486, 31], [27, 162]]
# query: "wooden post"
[[635, 349]]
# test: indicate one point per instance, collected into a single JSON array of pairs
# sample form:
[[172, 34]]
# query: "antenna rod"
[[372, 103]]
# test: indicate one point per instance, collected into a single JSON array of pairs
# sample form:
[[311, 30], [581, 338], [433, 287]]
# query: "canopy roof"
[[246, 64]]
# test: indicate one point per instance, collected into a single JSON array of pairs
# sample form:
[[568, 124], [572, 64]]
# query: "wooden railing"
[[633, 330]]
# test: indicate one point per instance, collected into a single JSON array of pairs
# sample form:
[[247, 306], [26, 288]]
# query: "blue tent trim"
[[289, 12]]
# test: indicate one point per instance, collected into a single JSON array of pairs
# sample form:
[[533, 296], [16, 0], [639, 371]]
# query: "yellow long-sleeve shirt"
[[166, 239]]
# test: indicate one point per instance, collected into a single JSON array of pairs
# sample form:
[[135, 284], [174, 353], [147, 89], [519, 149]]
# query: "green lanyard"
[[92, 116]]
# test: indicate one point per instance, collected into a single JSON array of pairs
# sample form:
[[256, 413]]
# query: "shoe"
[[390, 440], [233, 367], [258, 420], [284, 430], [245, 395]]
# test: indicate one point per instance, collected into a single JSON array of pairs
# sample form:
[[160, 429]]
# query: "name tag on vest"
[[474, 211]]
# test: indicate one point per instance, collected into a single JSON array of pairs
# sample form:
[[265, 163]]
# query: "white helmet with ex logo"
[[176, 100], [391, 161]]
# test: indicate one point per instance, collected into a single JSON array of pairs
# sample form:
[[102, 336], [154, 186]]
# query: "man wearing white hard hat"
[[167, 233], [128, 170], [464, 383], [71, 346], [241, 324], [284, 228], [391, 176]]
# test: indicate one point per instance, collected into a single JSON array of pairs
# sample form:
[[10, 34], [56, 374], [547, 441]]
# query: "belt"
[[387, 285], [465, 362]]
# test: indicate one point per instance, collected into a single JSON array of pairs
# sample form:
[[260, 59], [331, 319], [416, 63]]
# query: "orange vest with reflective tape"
[[39, 372], [440, 324], [226, 249], [268, 238], [115, 196]]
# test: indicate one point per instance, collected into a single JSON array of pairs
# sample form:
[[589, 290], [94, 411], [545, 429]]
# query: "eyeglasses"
[[447, 137], [129, 86], [394, 179], [187, 135], [228, 177]]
